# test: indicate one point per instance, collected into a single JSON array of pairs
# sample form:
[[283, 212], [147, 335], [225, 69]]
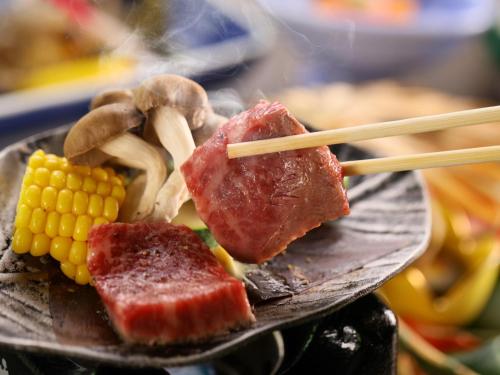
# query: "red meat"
[[161, 284], [255, 206]]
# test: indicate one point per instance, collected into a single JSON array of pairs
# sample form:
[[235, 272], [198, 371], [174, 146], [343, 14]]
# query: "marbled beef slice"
[[161, 284], [255, 206]]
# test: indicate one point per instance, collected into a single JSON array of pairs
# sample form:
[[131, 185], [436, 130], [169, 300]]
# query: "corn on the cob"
[[58, 204]]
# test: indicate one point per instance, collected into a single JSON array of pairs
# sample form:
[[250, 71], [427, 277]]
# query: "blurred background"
[[333, 63]]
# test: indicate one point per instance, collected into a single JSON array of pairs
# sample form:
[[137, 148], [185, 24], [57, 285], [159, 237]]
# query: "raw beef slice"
[[161, 284], [255, 206]]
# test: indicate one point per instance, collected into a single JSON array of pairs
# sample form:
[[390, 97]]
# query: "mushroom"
[[103, 133], [135, 191], [112, 96], [173, 106]]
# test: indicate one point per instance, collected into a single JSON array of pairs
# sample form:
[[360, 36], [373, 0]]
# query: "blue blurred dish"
[[347, 45], [207, 40]]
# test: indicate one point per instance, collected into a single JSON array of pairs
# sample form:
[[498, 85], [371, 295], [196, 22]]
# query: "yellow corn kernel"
[[23, 216], [58, 204], [119, 193], [67, 225], [73, 181], [32, 196], [57, 179], [59, 248], [41, 177], [37, 222], [89, 185], [100, 174], [82, 227], [64, 201], [37, 159], [69, 269], [103, 188], [83, 170], [51, 162], [82, 276], [66, 166], [115, 180], [29, 177], [80, 202], [110, 171], [40, 245], [95, 205], [52, 224], [100, 221], [78, 252], [49, 198], [21, 242], [111, 208]]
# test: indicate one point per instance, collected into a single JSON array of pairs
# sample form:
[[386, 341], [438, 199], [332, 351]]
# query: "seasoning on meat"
[[161, 284], [255, 206]]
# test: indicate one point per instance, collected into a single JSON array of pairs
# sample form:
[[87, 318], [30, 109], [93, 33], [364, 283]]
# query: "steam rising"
[[195, 41], [182, 46]]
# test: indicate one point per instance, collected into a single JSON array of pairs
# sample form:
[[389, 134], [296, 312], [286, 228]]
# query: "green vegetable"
[[207, 237], [345, 182], [231, 266]]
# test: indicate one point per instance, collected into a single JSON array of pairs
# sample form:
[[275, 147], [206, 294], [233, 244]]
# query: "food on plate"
[[189, 217], [163, 273], [52, 42], [173, 106], [161, 284], [58, 204], [256, 206], [103, 133], [36, 36]]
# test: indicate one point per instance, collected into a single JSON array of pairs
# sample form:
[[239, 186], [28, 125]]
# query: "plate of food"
[[131, 238], [59, 54]]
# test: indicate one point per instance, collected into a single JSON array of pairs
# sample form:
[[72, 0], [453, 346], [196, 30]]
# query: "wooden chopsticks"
[[386, 129], [422, 161]]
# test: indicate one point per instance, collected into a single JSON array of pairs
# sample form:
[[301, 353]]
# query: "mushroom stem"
[[171, 197], [174, 134], [136, 153], [135, 190]]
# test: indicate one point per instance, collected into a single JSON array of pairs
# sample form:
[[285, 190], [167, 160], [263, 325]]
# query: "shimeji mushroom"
[[135, 192], [173, 106], [112, 96], [102, 134]]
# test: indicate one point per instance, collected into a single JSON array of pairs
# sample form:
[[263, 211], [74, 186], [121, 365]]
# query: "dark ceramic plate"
[[325, 270]]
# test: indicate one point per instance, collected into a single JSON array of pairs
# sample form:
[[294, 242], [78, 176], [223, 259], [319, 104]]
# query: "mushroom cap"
[[171, 90], [97, 127], [112, 96]]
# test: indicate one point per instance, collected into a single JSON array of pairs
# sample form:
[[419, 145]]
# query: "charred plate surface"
[[330, 267]]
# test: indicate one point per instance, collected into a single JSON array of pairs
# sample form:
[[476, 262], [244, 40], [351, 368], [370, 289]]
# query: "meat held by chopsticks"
[[256, 206], [161, 284]]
